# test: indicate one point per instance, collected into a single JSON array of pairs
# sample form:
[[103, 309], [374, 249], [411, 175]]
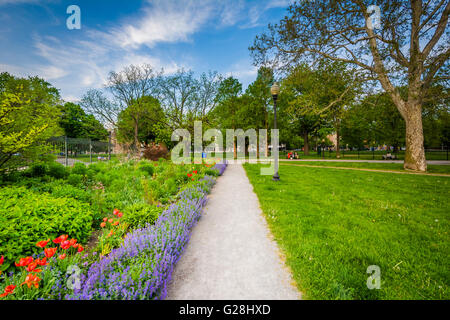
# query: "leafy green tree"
[[320, 94], [29, 115], [228, 104], [77, 124], [142, 121], [259, 103], [374, 119]]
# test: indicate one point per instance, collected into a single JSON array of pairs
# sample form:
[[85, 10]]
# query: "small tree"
[[29, 115]]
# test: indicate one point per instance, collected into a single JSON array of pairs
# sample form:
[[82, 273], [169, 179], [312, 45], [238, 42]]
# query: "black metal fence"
[[70, 150]]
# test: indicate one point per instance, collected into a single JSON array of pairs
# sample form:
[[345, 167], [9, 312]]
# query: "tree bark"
[[306, 141], [415, 151]]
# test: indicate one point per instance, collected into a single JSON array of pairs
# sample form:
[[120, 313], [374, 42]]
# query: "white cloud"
[[279, 4], [85, 63], [244, 71], [163, 21], [5, 2]]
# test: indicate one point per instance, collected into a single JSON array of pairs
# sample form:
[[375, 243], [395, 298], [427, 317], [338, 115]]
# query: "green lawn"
[[332, 224], [445, 169]]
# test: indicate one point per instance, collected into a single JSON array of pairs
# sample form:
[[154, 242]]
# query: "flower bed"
[[139, 268]]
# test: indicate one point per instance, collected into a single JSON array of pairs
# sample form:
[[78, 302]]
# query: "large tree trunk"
[[306, 141], [415, 152]]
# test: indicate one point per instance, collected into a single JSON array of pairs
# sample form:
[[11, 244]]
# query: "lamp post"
[[275, 90]]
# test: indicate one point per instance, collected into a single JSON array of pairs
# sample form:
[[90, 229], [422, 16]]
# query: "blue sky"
[[171, 34]]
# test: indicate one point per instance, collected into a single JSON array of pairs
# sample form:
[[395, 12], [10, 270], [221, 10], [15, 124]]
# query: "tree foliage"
[[77, 124], [410, 47], [29, 115]]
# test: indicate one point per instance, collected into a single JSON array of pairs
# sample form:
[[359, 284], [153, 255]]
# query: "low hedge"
[[27, 217], [141, 214]]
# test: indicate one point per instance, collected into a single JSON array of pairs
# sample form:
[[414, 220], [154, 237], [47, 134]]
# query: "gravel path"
[[231, 255]]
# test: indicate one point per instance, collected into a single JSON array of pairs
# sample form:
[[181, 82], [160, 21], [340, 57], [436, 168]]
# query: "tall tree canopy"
[[77, 124], [408, 46], [142, 121], [324, 92]]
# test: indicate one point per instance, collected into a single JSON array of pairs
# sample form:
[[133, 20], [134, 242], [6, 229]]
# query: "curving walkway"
[[231, 255]]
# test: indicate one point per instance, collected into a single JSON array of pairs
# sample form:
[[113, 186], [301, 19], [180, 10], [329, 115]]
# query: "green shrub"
[[148, 168], [139, 214], [38, 169], [170, 186], [212, 172], [75, 179], [57, 170], [27, 217], [79, 168], [63, 190]]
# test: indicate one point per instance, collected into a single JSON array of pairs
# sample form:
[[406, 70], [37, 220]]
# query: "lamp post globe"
[[275, 90]]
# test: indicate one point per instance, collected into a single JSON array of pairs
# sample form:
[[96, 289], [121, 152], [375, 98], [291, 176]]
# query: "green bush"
[[140, 214], [27, 217], [79, 168], [75, 179], [212, 172], [38, 169], [170, 186], [148, 168], [57, 170], [63, 190]]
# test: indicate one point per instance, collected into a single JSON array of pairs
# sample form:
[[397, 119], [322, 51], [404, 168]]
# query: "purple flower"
[[142, 266]]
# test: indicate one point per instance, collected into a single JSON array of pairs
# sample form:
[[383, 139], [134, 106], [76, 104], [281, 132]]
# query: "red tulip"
[[73, 242], [8, 290], [24, 262], [32, 267], [80, 248], [42, 262], [32, 280], [42, 244], [61, 239], [50, 252], [2, 259], [105, 219], [62, 256], [116, 212], [120, 214], [103, 224], [65, 245], [195, 172]]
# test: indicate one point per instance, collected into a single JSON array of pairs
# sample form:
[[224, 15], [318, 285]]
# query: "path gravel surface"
[[231, 254]]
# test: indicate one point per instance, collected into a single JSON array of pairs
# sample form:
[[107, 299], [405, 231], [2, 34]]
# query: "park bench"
[[389, 157]]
